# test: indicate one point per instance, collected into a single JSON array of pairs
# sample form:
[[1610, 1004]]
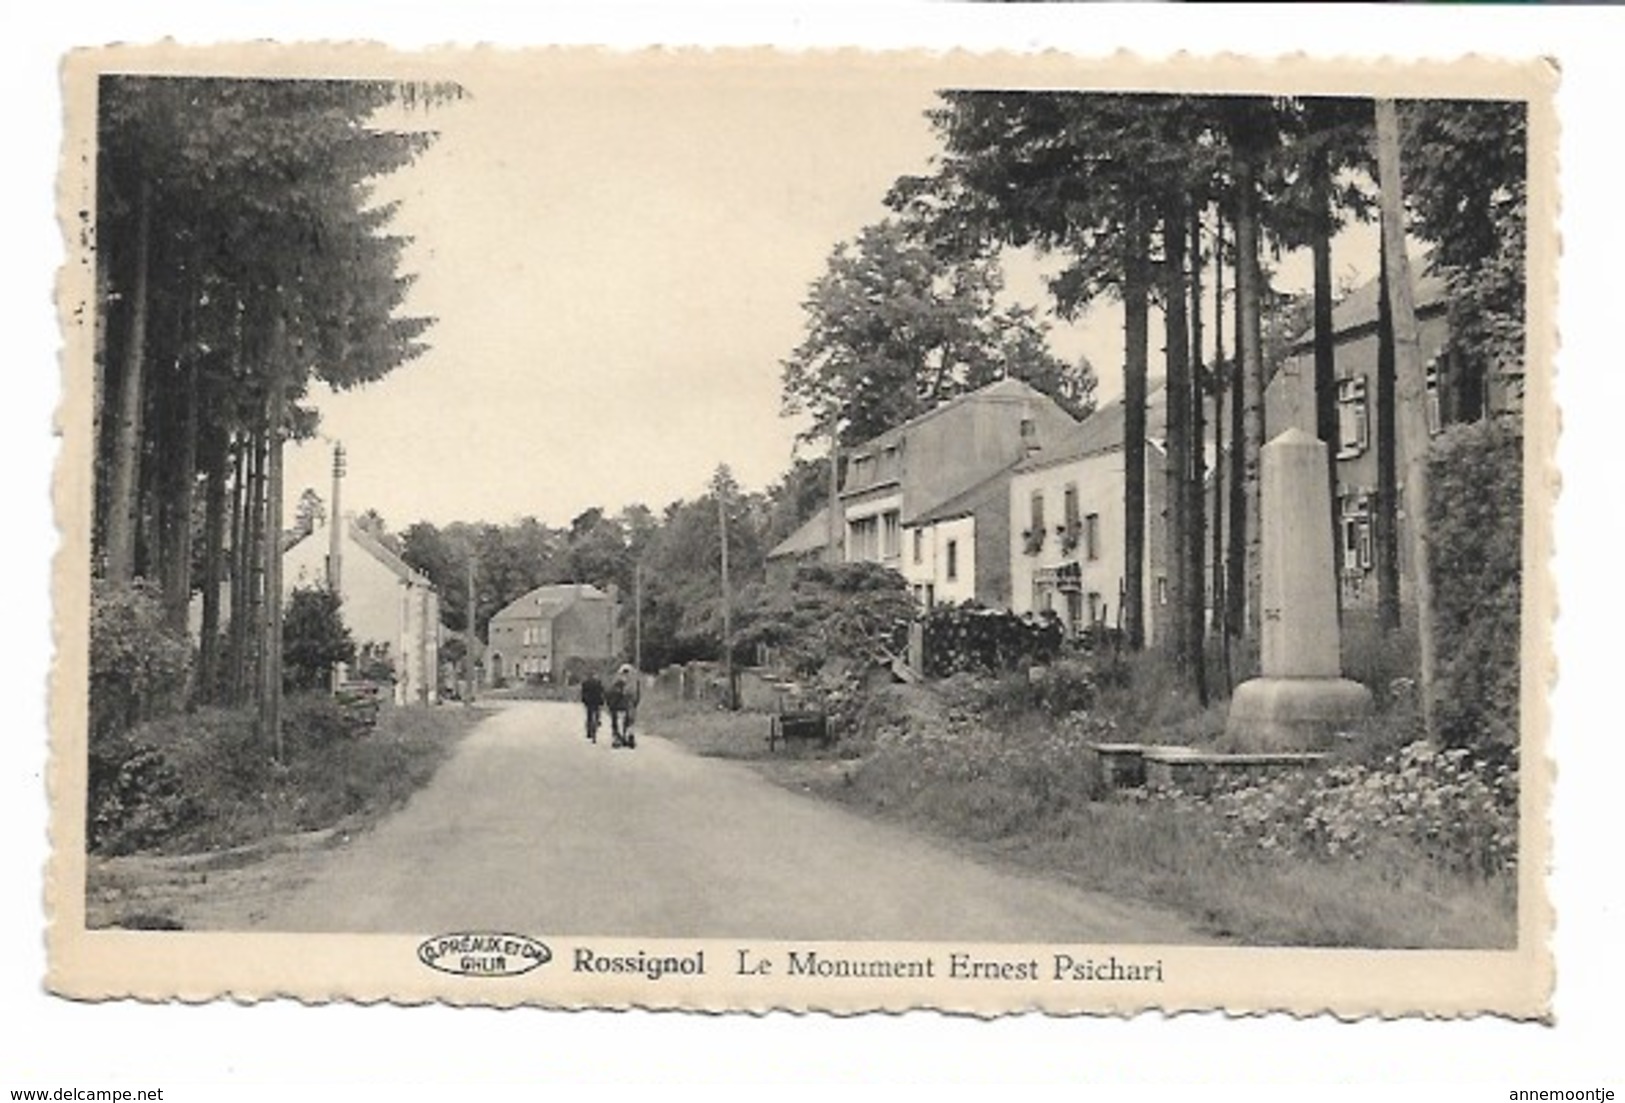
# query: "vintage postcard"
[[845, 531]]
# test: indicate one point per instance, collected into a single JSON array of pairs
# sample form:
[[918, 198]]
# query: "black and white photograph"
[[748, 531]]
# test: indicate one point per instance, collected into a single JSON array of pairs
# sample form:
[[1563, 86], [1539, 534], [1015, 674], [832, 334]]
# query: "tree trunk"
[[178, 527], [1320, 184], [1195, 523], [236, 644], [215, 458], [1136, 344], [1386, 520], [254, 561], [1176, 458], [1249, 342], [271, 640], [123, 479], [1221, 467], [1235, 582], [1411, 387]]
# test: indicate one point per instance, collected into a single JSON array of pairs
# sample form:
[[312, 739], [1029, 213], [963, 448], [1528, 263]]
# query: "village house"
[[926, 498], [1065, 542], [392, 611], [1452, 395], [552, 633]]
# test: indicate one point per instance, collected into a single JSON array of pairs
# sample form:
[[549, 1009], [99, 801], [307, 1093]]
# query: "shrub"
[[315, 720], [137, 797], [1461, 814], [314, 638], [138, 666], [984, 780], [844, 611], [1475, 533]]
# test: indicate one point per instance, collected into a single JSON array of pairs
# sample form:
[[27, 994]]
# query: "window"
[[863, 470], [1352, 428], [1435, 411], [1071, 532], [919, 545], [1091, 536], [864, 539], [1162, 590], [953, 560], [891, 544], [1074, 613], [1029, 434], [1038, 511], [1096, 613], [1033, 538], [1357, 538]]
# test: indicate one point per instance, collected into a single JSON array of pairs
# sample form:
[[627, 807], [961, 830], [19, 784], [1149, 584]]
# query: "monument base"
[[1282, 714]]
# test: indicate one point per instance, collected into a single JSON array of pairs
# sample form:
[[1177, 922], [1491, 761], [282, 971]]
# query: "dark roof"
[[812, 535], [549, 601], [1007, 388], [1359, 307], [966, 501], [1102, 431]]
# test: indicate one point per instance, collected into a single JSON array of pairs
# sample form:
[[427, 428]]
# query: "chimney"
[[335, 525]]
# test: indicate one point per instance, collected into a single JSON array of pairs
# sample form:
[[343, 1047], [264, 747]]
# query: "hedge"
[[1475, 542]]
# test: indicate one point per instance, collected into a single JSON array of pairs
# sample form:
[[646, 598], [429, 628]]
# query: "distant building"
[[809, 543], [925, 498], [392, 611], [550, 630]]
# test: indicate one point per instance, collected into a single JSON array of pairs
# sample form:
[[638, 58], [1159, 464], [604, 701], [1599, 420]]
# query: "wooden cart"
[[799, 724]]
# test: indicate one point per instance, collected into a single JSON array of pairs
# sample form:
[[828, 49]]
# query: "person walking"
[[592, 699], [622, 698], [634, 695]]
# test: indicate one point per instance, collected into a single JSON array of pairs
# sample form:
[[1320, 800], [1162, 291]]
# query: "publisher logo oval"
[[483, 954]]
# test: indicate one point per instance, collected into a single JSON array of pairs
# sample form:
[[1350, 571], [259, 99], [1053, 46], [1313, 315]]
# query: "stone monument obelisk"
[[1302, 696]]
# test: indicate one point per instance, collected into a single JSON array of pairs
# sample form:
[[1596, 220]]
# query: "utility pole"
[[335, 545], [835, 526], [468, 635], [637, 617], [727, 600]]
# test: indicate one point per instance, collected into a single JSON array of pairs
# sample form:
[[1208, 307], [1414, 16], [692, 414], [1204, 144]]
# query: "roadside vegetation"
[[1385, 848], [1397, 841]]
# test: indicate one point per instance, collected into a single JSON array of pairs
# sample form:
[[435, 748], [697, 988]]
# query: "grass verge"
[[1022, 788], [220, 806]]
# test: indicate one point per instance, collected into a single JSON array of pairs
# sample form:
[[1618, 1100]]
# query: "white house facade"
[[391, 611]]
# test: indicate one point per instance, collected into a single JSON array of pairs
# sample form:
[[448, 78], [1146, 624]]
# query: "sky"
[[617, 252]]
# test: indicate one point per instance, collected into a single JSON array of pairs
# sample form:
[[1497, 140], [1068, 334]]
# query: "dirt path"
[[531, 828]]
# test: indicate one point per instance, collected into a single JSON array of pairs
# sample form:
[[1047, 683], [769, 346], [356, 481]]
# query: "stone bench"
[[1193, 771], [1132, 765]]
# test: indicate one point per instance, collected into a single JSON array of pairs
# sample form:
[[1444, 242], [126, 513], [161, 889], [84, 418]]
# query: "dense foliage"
[[857, 612], [314, 638], [206, 780], [138, 663], [1461, 813], [894, 327], [1475, 536]]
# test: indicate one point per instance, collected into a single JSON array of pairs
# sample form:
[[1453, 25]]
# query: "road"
[[530, 828]]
